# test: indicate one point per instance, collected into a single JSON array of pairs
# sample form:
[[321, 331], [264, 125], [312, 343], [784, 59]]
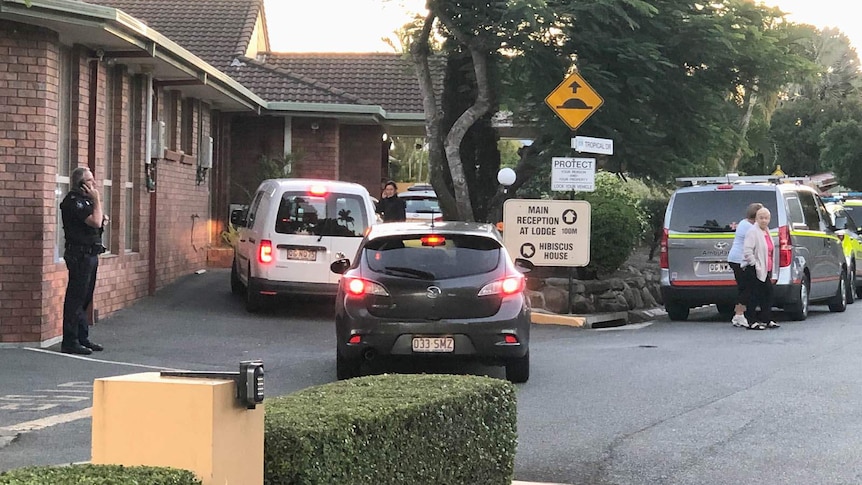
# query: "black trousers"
[[79, 295], [761, 296]]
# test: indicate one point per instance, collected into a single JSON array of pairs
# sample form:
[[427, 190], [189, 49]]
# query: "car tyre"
[[346, 368], [851, 285], [799, 310], [518, 369], [676, 311], [236, 286], [838, 303], [253, 300]]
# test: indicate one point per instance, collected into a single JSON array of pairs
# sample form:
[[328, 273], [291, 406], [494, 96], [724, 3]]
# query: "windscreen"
[[458, 255], [717, 211], [330, 214], [424, 206], [855, 213]]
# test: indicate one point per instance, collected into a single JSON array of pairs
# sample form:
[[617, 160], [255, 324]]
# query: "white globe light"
[[506, 176]]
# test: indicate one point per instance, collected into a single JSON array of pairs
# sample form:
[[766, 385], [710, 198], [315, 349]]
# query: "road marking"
[[54, 420], [101, 361]]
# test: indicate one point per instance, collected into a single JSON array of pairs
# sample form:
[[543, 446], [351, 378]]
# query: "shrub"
[[98, 475], [615, 231], [393, 429]]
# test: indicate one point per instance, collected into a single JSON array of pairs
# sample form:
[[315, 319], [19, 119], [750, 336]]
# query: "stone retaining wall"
[[636, 289]]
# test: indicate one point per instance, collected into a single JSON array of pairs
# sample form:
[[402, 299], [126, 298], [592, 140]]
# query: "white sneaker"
[[739, 321]]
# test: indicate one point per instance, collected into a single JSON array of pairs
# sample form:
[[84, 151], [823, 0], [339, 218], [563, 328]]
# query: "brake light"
[[662, 257], [317, 190], [359, 287], [785, 246], [264, 252], [725, 187], [507, 286], [510, 339], [433, 240]]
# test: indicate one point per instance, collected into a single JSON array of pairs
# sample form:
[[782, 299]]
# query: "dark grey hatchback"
[[446, 290]]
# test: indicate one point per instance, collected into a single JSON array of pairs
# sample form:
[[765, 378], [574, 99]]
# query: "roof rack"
[[733, 178]]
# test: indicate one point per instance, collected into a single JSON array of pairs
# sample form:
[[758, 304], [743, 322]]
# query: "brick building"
[[139, 91]]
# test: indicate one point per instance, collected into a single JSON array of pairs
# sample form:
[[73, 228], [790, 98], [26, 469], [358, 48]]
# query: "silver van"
[[698, 232], [293, 231]]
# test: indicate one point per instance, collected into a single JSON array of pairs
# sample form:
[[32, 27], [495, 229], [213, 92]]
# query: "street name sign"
[[548, 232], [574, 101], [573, 174], [586, 144]]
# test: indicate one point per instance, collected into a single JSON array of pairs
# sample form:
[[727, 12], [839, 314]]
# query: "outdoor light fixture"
[[249, 380]]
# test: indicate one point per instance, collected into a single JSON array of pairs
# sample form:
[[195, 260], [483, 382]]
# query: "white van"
[[293, 230]]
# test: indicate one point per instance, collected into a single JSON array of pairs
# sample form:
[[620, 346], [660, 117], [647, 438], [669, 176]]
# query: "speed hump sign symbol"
[[574, 100]]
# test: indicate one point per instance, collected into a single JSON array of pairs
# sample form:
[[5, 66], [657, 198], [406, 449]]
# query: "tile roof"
[[214, 30], [386, 80]]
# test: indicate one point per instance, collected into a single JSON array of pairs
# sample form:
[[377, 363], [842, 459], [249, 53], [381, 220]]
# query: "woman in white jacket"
[[759, 253]]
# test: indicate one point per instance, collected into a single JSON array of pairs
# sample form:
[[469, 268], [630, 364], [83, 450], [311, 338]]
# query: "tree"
[[842, 152]]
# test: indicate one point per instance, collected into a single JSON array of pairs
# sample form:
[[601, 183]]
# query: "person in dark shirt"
[[83, 222], [391, 207]]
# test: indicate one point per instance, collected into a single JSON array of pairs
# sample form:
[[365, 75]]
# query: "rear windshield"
[[426, 206], [459, 255], [330, 214], [717, 211]]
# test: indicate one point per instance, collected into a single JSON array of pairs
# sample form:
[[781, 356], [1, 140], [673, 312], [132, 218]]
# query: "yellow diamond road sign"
[[574, 101]]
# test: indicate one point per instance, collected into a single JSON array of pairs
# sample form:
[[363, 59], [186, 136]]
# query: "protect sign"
[[547, 232]]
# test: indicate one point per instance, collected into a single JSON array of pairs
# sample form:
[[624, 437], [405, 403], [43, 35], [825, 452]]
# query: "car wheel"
[[518, 370], [346, 368], [725, 310], [838, 303], [799, 310], [851, 285], [253, 300], [676, 311], [235, 283]]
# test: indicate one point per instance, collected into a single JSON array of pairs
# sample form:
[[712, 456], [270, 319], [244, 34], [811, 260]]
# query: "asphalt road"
[[699, 402]]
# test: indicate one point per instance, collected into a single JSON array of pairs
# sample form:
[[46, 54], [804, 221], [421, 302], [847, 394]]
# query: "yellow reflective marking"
[[812, 234]]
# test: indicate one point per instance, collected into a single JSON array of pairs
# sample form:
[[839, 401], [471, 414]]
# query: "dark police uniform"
[[83, 247]]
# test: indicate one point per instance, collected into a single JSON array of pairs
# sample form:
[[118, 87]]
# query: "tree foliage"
[[842, 151]]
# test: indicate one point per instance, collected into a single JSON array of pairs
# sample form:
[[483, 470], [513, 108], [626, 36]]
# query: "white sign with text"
[[586, 144], [578, 174]]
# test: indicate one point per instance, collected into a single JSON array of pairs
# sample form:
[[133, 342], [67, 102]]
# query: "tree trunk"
[[751, 97]]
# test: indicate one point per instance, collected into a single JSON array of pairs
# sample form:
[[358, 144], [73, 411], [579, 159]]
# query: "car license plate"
[[719, 268], [302, 254], [433, 344]]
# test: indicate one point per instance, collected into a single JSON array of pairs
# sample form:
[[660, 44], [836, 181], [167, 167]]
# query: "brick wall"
[[317, 150], [361, 152], [28, 143]]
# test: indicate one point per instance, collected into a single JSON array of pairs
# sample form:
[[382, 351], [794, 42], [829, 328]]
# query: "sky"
[[358, 25]]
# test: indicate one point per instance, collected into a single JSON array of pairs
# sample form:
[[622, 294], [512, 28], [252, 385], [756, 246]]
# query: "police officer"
[[83, 222]]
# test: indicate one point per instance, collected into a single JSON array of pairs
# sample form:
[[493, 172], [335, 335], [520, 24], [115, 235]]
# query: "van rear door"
[[701, 231]]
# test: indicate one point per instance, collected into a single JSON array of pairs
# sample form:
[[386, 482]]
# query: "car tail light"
[[317, 190], [433, 240], [264, 251], [510, 339], [725, 187], [354, 339], [505, 287], [359, 287], [662, 257], [785, 246]]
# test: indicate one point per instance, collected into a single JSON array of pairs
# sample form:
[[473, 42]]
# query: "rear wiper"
[[410, 271], [709, 229]]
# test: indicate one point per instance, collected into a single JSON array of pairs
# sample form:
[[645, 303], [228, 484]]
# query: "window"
[[321, 215], [133, 159], [64, 144], [171, 119], [252, 213], [717, 211], [188, 126], [407, 256], [809, 210], [794, 209], [113, 104]]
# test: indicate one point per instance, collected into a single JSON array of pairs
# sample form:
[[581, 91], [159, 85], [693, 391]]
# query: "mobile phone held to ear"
[[81, 185]]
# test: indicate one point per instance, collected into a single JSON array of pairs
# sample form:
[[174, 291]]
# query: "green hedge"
[[393, 429], [98, 475]]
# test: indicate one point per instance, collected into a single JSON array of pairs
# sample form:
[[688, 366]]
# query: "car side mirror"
[[339, 266], [238, 217], [524, 265]]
